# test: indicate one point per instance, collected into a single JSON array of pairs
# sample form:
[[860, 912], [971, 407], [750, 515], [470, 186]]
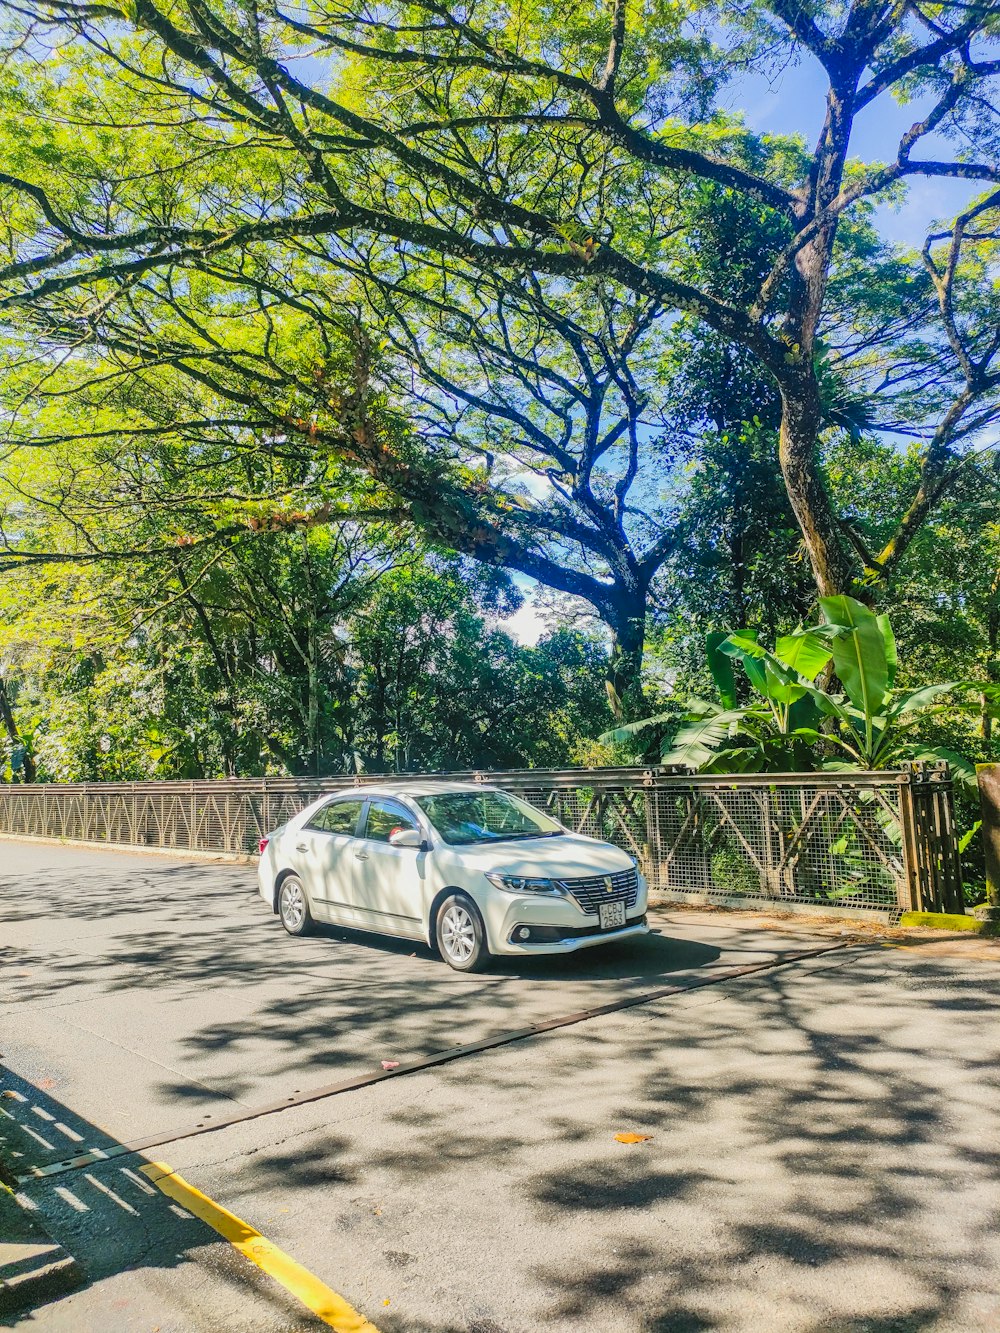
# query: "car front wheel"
[[461, 935], [293, 909]]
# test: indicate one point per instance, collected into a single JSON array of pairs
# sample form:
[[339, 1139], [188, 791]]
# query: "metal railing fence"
[[861, 840]]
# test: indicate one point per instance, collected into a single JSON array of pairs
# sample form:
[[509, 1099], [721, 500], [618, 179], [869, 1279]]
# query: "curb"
[[136, 849], [33, 1267], [885, 916]]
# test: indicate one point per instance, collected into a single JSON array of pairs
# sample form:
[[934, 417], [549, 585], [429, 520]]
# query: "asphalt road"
[[821, 1150]]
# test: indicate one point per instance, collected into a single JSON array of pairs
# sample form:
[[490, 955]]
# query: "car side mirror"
[[407, 837]]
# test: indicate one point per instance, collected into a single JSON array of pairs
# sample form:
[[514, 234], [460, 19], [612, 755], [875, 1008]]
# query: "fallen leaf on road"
[[633, 1138], [390, 1064], [46, 1083]]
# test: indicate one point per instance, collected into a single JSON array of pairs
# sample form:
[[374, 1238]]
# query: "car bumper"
[[265, 879], [557, 925], [559, 921], [570, 942]]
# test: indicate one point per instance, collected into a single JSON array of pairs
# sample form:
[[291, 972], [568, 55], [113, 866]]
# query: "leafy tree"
[[206, 186], [18, 761], [438, 689], [306, 648], [213, 568], [944, 591]]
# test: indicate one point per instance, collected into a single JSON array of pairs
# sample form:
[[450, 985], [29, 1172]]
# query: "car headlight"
[[524, 883]]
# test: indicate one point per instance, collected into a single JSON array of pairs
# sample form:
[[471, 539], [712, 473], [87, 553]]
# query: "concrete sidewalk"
[[33, 1267]]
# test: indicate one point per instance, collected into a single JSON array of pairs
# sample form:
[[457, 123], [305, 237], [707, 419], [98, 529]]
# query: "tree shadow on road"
[[821, 1151], [821, 1157], [207, 983]]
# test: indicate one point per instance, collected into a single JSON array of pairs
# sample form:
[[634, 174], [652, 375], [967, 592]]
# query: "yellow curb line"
[[314, 1294]]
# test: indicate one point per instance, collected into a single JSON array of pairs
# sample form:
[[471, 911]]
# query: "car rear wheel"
[[461, 935], [293, 908]]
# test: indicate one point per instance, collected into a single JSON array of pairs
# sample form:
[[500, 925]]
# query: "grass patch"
[[947, 921]]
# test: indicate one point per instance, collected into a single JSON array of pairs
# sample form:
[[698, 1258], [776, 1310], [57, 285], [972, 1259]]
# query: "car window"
[[384, 817], [488, 816], [337, 817]]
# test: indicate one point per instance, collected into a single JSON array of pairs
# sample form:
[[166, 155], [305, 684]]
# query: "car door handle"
[[361, 856], [301, 846]]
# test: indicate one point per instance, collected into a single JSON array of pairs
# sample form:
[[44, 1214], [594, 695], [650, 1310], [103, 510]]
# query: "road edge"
[[699, 900], [135, 849]]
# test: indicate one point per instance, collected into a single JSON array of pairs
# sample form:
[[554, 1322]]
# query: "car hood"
[[553, 858]]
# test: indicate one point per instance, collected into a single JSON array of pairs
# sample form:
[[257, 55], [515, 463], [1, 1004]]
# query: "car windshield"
[[463, 817]]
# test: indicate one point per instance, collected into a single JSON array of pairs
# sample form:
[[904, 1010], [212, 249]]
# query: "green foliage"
[[792, 722], [304, 652], [500, 262], [304, 312]]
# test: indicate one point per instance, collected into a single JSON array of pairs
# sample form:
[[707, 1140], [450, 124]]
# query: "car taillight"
[[262, 844]]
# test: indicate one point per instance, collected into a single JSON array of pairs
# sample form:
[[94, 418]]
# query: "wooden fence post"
[[909, 890], [930, 846], [945, 835], [989, 804]]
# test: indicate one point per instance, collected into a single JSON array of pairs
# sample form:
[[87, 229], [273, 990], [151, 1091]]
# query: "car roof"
[[428, 788]]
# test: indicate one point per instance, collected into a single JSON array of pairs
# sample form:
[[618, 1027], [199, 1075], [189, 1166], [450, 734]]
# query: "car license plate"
[[612, 915]]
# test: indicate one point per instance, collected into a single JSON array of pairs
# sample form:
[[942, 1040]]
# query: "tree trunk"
[[992, 659], [801, 406], [627, 619], [29, 770], [801, 419], [312, 699]]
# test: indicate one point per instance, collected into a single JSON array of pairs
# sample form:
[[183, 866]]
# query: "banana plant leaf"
[[859, 653], [966, 838], [889, 639], [721, 666], [630, 729], [803, 713], [743, 641], [697, 742], [805, 653], [779, 689], [908, 701], [751, 656], [735, 759], [828, 705]]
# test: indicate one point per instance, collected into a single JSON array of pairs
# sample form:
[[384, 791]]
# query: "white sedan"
[[469, 868]]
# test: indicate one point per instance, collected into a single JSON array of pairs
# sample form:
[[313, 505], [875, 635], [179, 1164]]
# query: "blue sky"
[[794, 104]]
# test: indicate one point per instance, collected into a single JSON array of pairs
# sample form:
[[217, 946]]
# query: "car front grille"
[[591, 890]]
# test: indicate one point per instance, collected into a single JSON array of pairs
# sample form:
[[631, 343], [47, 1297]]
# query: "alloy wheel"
[[458, 933], [293, 905]]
